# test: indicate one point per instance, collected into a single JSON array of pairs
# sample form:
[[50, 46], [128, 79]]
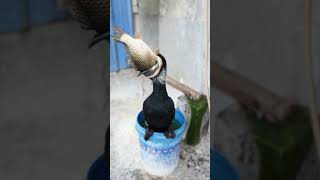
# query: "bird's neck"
[[159, 83], [159, 88]]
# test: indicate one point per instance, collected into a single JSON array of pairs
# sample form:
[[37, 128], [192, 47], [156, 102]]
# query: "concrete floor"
[[127, 93], [52, 117]]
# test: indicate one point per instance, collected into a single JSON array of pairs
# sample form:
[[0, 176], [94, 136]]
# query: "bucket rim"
[[179, 132]]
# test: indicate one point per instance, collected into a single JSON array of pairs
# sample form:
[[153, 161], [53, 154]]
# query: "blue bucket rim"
[[221, 167], [179, 132]]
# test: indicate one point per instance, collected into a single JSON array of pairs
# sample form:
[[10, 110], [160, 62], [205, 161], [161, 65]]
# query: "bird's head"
[[158, 71]]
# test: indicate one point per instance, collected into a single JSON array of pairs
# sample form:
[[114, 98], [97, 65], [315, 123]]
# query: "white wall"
[[263, 40], [178, 28]]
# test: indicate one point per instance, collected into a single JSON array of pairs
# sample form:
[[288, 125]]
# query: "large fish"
[[142, 58]]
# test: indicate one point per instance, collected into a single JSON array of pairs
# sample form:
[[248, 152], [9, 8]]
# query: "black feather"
[[158, 108]]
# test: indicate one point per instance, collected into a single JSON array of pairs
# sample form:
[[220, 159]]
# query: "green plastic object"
[[198, 109], [282, 148]]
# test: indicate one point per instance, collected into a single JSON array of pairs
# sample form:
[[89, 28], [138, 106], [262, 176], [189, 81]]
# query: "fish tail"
[[118, 33]]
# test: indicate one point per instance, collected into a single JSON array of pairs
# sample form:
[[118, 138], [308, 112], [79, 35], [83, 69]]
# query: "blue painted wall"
[[121, 15], [16, 15]]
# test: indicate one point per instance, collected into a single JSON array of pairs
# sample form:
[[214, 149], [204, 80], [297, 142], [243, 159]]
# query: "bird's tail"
[[118, 33]]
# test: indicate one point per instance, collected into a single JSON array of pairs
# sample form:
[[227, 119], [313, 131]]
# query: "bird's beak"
[[97, 38], [140, 73], [151, 71]]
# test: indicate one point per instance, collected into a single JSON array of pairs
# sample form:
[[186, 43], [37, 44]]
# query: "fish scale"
[[141, 55]]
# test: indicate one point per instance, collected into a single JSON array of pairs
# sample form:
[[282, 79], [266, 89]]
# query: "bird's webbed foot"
[[170, 133], [148, 134]]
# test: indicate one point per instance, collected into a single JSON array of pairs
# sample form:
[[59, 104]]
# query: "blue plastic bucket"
[[160, 155]]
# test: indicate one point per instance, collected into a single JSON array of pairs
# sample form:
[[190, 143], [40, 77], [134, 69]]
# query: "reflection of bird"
[[100, 167], [93, 15], [158, 108]]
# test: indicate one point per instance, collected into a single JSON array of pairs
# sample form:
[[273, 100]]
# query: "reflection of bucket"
[[99, 169], [160, 155], [221, 168]]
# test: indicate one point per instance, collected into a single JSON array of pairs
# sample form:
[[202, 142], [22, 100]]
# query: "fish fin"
[[138, 35], [157, 51], [118, 33], [131, 63]]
